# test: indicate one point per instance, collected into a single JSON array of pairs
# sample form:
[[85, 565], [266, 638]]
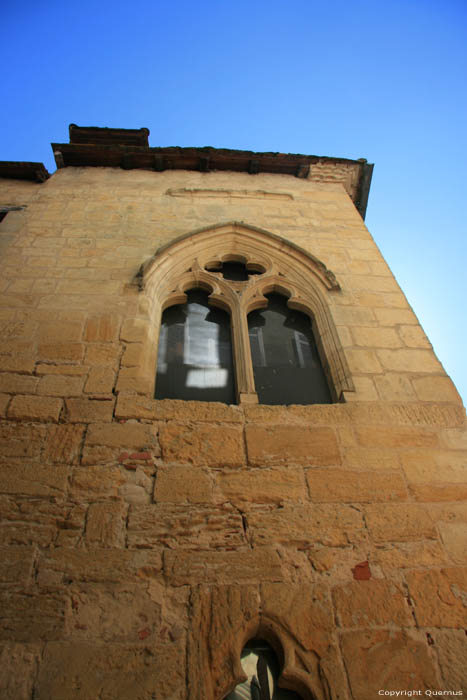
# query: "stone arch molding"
[[280, 266], [237, 240], [302, 670], [290, 617]]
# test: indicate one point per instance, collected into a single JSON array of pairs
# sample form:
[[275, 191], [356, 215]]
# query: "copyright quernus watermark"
[[420, 693]]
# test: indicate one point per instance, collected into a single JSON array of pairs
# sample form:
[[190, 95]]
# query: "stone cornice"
[[128, 149], [17, 170]]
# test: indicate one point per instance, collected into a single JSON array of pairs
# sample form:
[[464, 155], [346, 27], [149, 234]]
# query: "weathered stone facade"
[[144, 542]]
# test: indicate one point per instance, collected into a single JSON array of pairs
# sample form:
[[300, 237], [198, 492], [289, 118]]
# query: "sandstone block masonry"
[[145, 542]]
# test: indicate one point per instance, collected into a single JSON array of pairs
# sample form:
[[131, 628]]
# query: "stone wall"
[[144, 542]]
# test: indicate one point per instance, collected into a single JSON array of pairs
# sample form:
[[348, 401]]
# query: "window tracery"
[[238, 267]]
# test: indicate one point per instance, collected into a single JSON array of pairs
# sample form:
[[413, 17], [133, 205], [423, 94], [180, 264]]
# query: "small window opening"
[[260, 665], [286, 363], [195, 352]]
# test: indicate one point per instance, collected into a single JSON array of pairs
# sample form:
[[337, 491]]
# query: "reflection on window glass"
[[286, 364], [195, 352], [260, 665]]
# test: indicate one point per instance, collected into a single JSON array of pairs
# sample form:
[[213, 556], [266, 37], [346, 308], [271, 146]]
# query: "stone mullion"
[[242, 356]]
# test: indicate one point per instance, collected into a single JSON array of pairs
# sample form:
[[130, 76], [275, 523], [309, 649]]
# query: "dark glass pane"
[[259, 663], [195, 352], [286, 363]]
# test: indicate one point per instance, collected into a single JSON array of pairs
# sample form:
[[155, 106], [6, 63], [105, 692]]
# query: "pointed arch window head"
[[284, 350], [261, 667]]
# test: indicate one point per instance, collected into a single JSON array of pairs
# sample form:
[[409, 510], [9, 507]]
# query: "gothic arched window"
[[281, 359], [276, 299]]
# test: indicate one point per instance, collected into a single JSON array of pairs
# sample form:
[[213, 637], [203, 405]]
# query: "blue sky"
[[371, 78]]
